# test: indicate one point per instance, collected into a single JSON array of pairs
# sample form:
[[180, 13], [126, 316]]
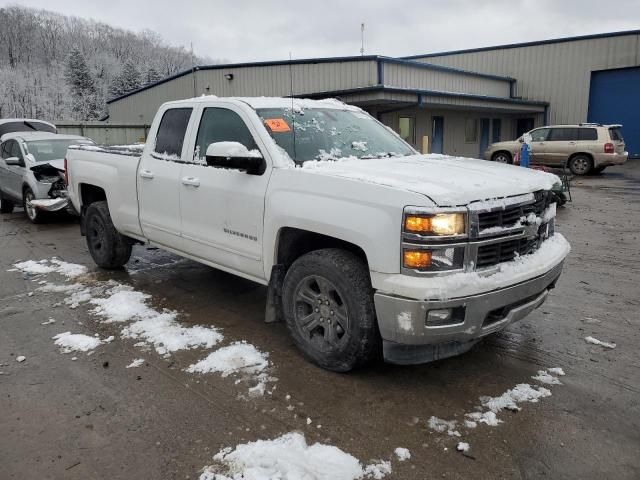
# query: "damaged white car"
[[32, 172]]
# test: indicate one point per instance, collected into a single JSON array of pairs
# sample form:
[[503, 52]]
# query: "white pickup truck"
[[367, 247]]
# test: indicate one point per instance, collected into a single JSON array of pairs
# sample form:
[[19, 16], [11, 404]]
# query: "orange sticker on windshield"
[[277, 125]]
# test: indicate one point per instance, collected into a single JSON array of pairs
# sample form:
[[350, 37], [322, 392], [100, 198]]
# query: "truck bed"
[[114, 169]]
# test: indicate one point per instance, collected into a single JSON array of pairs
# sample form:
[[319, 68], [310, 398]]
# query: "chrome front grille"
[[509, 216], [492, 254]]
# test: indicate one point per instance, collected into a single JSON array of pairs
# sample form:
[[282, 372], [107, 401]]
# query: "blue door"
[[485, 124], [437, 135], [614, 97]]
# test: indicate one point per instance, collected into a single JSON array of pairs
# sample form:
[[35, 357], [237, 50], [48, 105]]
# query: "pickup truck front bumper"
[[408, 339]]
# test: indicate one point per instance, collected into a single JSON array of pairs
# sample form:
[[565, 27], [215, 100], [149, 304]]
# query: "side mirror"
[[13, 161], [235, 156]]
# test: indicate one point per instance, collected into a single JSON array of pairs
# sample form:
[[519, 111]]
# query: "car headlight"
[[437, 224]]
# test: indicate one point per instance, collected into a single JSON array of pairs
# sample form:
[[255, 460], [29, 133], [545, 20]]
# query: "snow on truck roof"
[[272, 102]]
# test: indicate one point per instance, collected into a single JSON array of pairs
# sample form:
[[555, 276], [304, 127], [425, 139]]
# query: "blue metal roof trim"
[[526, 44], [422, 92]]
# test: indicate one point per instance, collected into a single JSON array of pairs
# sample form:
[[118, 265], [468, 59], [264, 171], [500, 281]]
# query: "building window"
[[407, 129], [471, 130], [496, 134]]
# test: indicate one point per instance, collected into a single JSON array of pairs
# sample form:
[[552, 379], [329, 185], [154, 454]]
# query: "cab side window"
[[171, 132], [539, 135], [221, 125], [588, 134]]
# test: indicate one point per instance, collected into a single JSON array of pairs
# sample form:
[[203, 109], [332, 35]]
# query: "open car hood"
[[51, 167]]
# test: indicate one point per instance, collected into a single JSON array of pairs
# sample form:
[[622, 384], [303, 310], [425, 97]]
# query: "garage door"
[[614, 97]]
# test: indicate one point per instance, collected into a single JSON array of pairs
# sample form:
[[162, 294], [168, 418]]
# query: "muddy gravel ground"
[[92, 418]]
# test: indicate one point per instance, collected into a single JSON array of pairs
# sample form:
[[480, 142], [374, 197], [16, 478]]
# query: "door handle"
[[191, 181], [572, 143], [146, 174]]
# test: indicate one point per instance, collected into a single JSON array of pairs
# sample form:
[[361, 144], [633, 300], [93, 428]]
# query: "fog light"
[[439, 317], [445, 316]]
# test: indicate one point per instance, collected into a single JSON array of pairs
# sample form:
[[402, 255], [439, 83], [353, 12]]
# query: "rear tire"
[[580, 165], [502, 157], [108, 248], [6, 206], [329, 310], [33, 214]]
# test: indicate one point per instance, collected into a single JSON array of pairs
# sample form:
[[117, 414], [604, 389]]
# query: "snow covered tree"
[[127, 81], [152, 76], [83, 90]]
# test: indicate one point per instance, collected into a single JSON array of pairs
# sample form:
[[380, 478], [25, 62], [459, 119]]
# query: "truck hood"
[[447, 181]]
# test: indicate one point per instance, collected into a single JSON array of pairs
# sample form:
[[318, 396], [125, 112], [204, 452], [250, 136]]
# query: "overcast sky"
[[243, 30]]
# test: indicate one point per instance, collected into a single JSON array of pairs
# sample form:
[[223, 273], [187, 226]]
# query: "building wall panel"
[[555, 72]]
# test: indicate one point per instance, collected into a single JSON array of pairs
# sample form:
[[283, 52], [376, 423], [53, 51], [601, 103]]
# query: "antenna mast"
[[362, 39]]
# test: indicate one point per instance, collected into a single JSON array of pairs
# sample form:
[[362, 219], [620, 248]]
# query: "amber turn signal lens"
[[417, 258], [414, 223]]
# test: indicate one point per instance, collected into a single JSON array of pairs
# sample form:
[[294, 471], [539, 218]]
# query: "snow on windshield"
[[330, 134]]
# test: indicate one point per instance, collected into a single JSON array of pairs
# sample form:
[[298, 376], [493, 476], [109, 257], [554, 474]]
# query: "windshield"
[[46, 150], [329, 134]]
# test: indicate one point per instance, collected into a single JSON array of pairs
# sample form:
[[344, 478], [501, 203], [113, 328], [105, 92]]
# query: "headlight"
[[433, 259], [441, 224]]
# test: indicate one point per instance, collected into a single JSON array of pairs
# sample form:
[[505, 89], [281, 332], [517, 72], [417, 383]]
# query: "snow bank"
[[290, 457], [76, 342]]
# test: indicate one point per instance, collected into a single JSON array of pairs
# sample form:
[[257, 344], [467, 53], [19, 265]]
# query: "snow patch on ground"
[[289, 457], [595, 341], [463, 447], [114, 302], [41, 267], [76, 342], [402, 454], [489, 408], [238, 358], [545, 377], [168, 336], [138, 362]]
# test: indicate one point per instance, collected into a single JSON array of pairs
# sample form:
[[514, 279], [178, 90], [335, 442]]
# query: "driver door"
[[13, 174], [222, 210]]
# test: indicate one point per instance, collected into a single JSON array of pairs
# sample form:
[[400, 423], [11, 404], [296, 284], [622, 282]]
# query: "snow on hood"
[[448, 181]]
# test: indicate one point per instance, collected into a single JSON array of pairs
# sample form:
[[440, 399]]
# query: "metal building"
[[454, 102]]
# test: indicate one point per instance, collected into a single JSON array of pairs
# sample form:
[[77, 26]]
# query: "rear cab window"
[[616, 134], [171, 133]]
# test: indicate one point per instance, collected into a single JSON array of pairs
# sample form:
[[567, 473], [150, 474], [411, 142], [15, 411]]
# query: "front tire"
[[329, 310], [108, 248], [33, 214], [580, 165], [6, 206], [502, 157]]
